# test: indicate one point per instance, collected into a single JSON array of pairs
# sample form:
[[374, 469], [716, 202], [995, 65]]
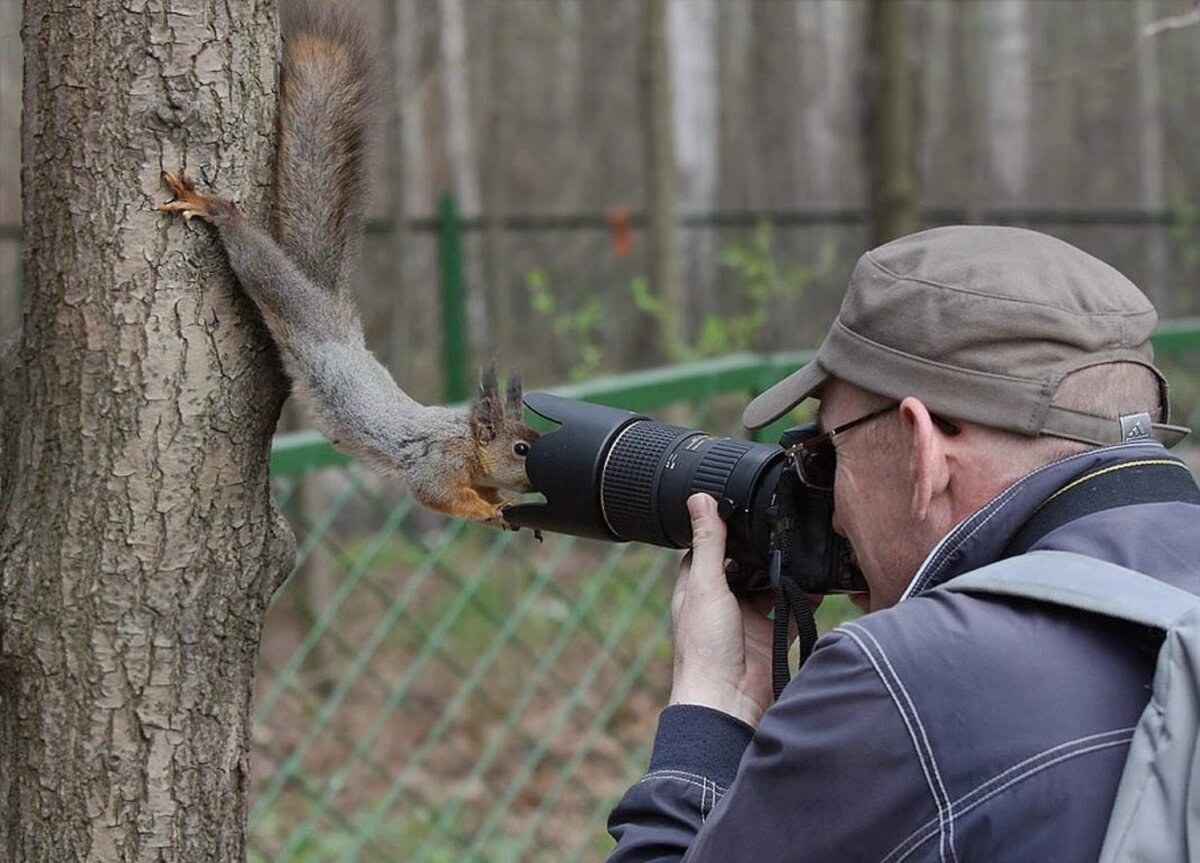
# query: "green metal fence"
[[431, 690]]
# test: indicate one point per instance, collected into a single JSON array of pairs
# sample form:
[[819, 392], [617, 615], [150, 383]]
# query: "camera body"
[[617, 475]]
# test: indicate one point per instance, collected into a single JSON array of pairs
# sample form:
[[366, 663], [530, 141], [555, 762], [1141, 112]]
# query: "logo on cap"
[[1135, 427]]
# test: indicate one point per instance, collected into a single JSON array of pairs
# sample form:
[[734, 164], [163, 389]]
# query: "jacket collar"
[[980, 538]]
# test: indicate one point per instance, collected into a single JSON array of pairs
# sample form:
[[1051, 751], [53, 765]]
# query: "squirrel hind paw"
[[191, 202], [179, 184], [183, 207]]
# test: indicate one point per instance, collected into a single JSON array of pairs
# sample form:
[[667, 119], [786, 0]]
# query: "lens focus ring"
[[718, 462], [629, 476]]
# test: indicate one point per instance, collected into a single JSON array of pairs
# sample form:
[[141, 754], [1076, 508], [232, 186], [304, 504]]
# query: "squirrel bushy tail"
[[327, 97]]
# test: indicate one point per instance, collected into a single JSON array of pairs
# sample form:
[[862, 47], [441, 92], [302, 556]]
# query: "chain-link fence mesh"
[[457, 693]]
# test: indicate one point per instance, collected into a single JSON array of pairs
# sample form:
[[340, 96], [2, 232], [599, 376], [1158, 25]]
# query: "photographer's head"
[[1026, 346]]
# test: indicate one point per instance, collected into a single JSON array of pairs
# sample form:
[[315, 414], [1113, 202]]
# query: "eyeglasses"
[[815, 459]]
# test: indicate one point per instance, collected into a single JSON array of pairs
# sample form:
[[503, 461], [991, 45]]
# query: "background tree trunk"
[[139, 546], [1008, 105], [891, 123], [10, 148], [496, 168], [1153, 159], [692, 32], [735, 45], [825, 27], [460, 143], [661, 179]]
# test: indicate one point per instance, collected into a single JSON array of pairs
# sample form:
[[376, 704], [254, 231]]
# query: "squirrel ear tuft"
[[514, 408], [489, 387], [487, 412], [485, 419]]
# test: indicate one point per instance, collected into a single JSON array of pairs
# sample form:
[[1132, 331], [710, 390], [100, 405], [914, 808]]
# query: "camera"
[[617, 475]]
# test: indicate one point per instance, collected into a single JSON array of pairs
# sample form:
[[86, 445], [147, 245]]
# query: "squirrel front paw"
[[497, 519], [191, 202]]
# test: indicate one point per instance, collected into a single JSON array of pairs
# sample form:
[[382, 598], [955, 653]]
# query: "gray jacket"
[[949, 727]]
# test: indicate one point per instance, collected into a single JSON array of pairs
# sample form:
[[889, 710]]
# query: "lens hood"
[[565, 466]]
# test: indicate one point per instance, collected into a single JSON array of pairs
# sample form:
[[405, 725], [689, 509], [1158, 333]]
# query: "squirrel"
[[453, 461]]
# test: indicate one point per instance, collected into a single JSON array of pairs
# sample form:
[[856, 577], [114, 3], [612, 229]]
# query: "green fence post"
[[454, 316]]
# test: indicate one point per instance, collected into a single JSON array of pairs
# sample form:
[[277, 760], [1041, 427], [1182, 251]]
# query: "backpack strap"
[[1081, 582], [1145, 480], [1154, 817]]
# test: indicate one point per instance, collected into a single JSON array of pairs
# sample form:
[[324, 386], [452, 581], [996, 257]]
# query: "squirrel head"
[[501, 437]]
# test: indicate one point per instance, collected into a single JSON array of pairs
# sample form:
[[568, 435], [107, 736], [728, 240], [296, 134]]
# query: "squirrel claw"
[[181, 185], [188, 201], [177, 207]]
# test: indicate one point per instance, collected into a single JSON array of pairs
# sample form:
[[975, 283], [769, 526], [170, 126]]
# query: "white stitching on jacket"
[[961, 802], [928, 827], [693, 779], [924, 734], [925, 768], [982, 786]]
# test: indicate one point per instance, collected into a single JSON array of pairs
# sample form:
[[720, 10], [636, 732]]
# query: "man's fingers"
[[708, 540]]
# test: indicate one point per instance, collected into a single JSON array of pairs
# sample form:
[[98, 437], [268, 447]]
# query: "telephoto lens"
[[612, 474]]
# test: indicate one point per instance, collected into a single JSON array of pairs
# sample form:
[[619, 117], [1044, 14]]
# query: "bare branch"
[[1148, 32], [1175, 22]]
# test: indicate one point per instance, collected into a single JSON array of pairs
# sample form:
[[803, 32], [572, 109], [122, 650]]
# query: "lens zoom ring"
[[629, 476], [713, 471]]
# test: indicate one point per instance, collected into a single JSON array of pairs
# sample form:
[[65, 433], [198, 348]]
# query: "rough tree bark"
[[138, 542]]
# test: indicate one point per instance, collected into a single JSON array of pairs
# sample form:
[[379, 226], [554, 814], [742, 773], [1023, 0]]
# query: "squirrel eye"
[[521, 448]]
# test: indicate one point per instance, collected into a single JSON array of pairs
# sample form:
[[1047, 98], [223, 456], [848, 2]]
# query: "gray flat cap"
[[981, 323]]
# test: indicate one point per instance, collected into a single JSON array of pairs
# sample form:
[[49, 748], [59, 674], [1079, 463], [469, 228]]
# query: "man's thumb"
[[708, 534]]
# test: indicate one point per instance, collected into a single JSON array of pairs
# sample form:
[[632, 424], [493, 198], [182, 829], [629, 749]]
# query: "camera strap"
[[790, 601], [790, 604]]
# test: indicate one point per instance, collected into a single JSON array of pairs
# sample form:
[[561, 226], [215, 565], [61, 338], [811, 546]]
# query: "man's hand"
[[722, 644]]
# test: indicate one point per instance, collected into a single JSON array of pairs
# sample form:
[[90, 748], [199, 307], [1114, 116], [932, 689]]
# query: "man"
[[988, 391]]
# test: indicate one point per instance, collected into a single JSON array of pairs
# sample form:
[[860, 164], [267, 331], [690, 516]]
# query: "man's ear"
[[929, 470]]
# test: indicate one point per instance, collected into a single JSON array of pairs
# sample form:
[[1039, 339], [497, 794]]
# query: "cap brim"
[[785, 395]]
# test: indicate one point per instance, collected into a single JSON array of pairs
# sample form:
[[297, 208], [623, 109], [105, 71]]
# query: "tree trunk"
[[10, 154], [496, 165], [139, 546], [694, 87], [1008, 113], [825, 57], [891, 123], [734, 47], [460, 140], [965, 86], [1151, 175], [661, 181], [401, 43]]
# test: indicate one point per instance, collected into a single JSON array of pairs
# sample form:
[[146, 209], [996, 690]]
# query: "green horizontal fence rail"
[[432, 690], [300, 452]]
